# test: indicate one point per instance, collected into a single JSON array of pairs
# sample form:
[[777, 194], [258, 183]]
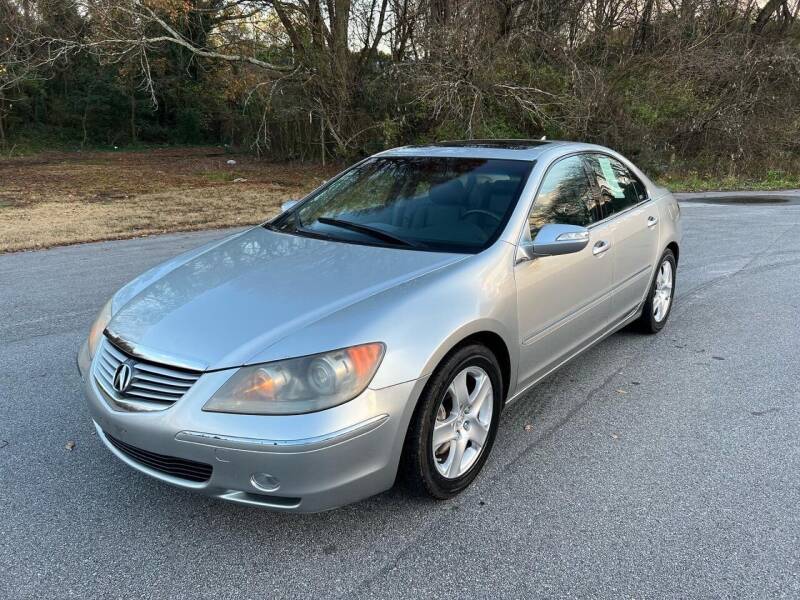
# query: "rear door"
[[563, 301], [633, 218]]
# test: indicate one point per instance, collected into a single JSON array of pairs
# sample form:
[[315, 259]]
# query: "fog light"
[[265, 482]]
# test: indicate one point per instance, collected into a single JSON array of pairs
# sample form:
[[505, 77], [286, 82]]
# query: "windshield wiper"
[[294, 227], [366, 229]]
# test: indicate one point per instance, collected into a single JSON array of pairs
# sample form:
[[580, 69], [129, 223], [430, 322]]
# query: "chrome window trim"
[[620, 213]]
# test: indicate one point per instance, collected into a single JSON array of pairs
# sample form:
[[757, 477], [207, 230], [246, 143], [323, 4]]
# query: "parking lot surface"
[[651, 466]]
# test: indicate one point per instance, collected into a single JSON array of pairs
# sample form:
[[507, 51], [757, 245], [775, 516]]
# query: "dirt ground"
[[60, 198]]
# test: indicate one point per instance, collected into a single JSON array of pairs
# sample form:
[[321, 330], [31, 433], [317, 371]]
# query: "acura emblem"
[[122, 377]]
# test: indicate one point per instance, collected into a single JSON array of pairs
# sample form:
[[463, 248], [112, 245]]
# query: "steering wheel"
[[479, 211]]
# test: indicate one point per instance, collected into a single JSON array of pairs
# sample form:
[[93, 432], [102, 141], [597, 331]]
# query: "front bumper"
[[319, 460]]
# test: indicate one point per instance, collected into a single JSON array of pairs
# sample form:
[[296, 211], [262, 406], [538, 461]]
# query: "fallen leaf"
[[70, 445]]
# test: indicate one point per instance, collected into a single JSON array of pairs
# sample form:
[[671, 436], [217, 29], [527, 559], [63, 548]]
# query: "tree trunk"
[[2, 118], [765, 14], [322, 138], [643, 31], [83, 124], [133, 117]]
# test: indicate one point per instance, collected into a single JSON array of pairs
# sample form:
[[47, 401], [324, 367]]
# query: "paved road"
[[655, 466], [742, 197]]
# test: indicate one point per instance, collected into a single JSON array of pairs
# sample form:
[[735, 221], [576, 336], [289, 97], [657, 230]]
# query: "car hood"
[[220, 307]]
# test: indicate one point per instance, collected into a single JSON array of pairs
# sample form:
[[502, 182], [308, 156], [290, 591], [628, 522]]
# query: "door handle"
[[651, 221], [600, 247]]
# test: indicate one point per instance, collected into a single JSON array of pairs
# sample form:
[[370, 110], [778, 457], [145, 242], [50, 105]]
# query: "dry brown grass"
[[59, 198]]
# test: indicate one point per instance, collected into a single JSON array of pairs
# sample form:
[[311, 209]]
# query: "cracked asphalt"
[[651, 466]]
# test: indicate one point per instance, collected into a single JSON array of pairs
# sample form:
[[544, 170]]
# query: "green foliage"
[[695, 181], [693, 94]]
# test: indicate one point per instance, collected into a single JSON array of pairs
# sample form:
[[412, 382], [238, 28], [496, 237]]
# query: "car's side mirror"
[[288, 204], [554, 239]]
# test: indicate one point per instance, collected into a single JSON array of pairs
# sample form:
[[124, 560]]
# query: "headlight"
[[99, 325], [299, 385]]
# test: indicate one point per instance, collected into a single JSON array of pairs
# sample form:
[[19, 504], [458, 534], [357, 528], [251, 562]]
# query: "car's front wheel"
[[659, 301], [455, 423]]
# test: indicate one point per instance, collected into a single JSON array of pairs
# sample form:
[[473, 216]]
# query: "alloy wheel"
[[462, 424], [662, 297]]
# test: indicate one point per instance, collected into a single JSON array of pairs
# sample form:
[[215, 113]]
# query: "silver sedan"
[[375, 330]]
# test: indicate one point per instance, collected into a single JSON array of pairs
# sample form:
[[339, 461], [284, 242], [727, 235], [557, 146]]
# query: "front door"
[[563, 302]]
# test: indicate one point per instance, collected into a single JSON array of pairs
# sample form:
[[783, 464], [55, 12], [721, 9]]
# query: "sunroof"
[[502, 144]]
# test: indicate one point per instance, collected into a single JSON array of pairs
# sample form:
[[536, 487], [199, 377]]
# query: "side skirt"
[[630, 318]]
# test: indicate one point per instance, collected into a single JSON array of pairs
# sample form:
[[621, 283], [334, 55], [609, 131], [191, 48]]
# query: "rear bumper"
[[316, 462]]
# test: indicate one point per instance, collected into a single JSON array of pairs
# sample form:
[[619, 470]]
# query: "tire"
[[444, 471], [654, 317]]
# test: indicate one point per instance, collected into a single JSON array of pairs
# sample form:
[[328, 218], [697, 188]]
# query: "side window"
[[618, 187], [565, 196]]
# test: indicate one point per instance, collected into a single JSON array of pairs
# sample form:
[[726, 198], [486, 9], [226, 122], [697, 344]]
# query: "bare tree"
[[331, 44]]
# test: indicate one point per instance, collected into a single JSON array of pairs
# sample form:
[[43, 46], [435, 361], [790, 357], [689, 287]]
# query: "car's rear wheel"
[[455, 423], [659, 301]]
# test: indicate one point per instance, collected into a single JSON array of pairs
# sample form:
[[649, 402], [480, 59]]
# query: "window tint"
[[617, 187], [565, 196], [447, 204]]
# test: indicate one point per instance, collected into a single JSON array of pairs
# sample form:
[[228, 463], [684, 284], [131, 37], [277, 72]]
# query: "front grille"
[[156, 386], [170, 465]]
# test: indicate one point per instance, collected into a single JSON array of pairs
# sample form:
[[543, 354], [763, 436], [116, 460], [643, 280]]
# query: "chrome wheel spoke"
[[482, 391], [458, 391], [443, 432], [456, 457], [478, 432]]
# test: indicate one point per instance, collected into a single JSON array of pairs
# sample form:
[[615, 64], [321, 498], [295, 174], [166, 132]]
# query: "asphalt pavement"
[[651, 466]]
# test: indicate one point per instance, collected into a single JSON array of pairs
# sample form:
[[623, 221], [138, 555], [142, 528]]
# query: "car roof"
[[507, 149]]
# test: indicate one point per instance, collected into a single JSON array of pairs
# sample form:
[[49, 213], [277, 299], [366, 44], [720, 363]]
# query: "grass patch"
[[219, 176], [694, 181], [58, 198]]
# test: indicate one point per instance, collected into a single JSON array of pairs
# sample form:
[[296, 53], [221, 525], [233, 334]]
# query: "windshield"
[[427, 203]]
